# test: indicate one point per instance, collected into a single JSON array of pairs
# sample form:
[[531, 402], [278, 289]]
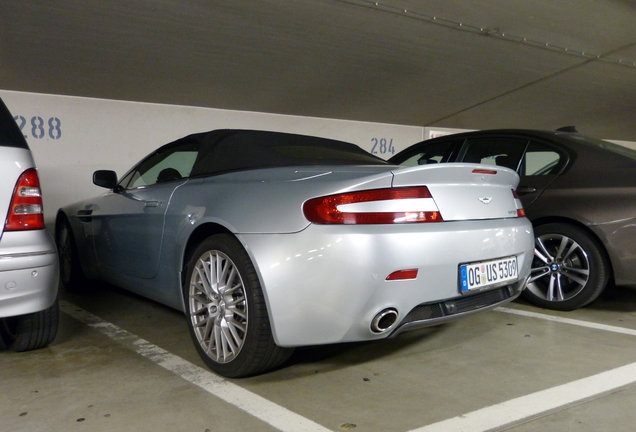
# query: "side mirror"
[[105, 178]]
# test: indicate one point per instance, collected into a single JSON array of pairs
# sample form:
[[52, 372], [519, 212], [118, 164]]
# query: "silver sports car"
[[268, 241]]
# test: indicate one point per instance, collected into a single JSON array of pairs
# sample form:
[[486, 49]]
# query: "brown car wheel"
[[569, 268]]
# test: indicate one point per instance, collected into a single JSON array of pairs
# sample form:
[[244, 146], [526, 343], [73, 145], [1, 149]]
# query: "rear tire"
[[226, 310], [30, 331], [569, 269], [71, 274]]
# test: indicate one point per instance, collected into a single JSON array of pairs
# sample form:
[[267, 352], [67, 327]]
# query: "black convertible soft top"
[[235, 149]]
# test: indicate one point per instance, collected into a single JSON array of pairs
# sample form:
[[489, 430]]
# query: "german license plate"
[[488, 274]]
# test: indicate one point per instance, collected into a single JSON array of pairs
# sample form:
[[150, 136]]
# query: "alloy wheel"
[[218, 306], [560, 269]]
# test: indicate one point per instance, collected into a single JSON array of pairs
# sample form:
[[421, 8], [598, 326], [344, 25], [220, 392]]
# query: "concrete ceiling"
[[471, 64]]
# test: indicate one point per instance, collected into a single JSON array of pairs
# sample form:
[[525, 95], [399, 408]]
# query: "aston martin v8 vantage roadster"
[[268, 241]]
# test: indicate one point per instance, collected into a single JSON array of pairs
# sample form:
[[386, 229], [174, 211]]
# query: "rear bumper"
[[426, 315], [29, 272], [327, 284]]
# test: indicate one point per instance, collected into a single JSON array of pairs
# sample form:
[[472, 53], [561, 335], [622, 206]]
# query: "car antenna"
[[570, 129]]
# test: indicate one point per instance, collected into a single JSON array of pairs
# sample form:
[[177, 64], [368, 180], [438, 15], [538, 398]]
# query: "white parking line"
[[537, 404], [579, 323], [259, 407], [493, 417], [543, 402]]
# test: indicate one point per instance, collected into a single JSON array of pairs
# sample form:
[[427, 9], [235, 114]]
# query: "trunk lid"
[[465, 191]]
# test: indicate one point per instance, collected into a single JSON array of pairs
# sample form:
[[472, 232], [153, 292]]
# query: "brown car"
[[579, 193]]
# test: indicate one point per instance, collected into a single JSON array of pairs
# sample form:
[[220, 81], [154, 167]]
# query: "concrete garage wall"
[[71, 137]]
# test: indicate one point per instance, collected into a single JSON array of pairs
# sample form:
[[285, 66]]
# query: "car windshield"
[[606, 145]]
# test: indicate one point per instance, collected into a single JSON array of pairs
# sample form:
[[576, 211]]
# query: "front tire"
[[30, 331], [71, 274], [569, 269], [227, 315]]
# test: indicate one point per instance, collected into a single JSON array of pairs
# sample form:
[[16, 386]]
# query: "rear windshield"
[[10, 134], [606, 145]]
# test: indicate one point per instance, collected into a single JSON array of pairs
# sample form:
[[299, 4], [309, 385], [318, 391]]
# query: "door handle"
[[525, 190], [152, 203]]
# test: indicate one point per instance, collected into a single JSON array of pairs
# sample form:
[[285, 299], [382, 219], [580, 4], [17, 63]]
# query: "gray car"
[[268, 241], [28, 258], [577, 191]]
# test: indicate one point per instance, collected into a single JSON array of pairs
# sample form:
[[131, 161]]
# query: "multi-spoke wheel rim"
[[218, 306], [560, 268]]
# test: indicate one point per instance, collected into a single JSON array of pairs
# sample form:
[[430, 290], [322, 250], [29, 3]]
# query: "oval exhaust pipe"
[[384, 320]]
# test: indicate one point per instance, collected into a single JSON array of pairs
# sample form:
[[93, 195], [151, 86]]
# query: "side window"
[[431, 153], [540, 159], [506, 152], [164, 166]]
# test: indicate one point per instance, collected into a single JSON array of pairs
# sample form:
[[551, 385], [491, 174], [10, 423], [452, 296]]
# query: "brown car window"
[[506, 152], [540, 159], [431, 153]]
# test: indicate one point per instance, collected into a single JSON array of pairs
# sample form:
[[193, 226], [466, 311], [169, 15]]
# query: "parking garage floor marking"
[[541, 403], [505, 414], [275, 415], [544, 402], [571, 321]]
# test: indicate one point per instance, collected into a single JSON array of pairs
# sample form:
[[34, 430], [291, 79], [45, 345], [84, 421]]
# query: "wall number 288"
[[40, 128], [382, 146]]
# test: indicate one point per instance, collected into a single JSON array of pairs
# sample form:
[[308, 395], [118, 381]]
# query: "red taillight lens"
[[25, 212], [484, 171], [403, 275], [378, 206], [520, 211]]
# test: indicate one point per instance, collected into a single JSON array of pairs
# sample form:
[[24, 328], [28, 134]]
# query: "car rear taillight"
[[484, 171], [25, 211], [378, 206], [402, 275], [520, 211]]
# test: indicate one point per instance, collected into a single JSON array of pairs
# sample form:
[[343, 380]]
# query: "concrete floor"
[[123, 363]]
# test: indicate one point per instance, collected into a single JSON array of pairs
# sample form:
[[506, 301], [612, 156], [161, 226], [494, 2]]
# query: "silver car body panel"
[[28, 260], [326, 283], [28, 272], [322, 283]]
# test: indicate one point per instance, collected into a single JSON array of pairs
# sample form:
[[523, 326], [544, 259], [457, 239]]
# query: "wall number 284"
[[39, 128], [382, 146]]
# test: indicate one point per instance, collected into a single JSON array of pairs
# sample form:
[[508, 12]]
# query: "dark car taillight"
[[25, 211], [378, 206]]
